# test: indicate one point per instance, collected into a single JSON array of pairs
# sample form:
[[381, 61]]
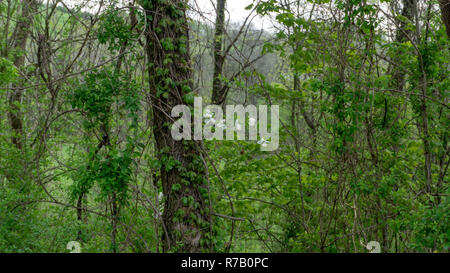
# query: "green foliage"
[[363, 96], [114, 30], [8, 73]]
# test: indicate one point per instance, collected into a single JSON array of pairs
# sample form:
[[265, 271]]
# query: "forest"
[[342, 145]]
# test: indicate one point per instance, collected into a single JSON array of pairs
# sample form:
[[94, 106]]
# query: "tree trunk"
[[398, 75], [445, 11], [219, 93], [186, 214], [21, 34]]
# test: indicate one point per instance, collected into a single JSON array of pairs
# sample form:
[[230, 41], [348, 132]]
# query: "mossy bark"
[[186, 215]]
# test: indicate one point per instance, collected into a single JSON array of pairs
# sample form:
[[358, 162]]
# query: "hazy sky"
[[236, 11]]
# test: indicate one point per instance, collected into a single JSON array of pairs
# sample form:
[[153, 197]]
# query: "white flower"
[[263, 142], [207, 114], [221, 124], [160, 209], [209, 117], [251, 121], [211, 121]]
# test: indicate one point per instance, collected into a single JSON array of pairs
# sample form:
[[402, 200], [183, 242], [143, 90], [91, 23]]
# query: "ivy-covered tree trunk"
[[186, 216], [219, 93]]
